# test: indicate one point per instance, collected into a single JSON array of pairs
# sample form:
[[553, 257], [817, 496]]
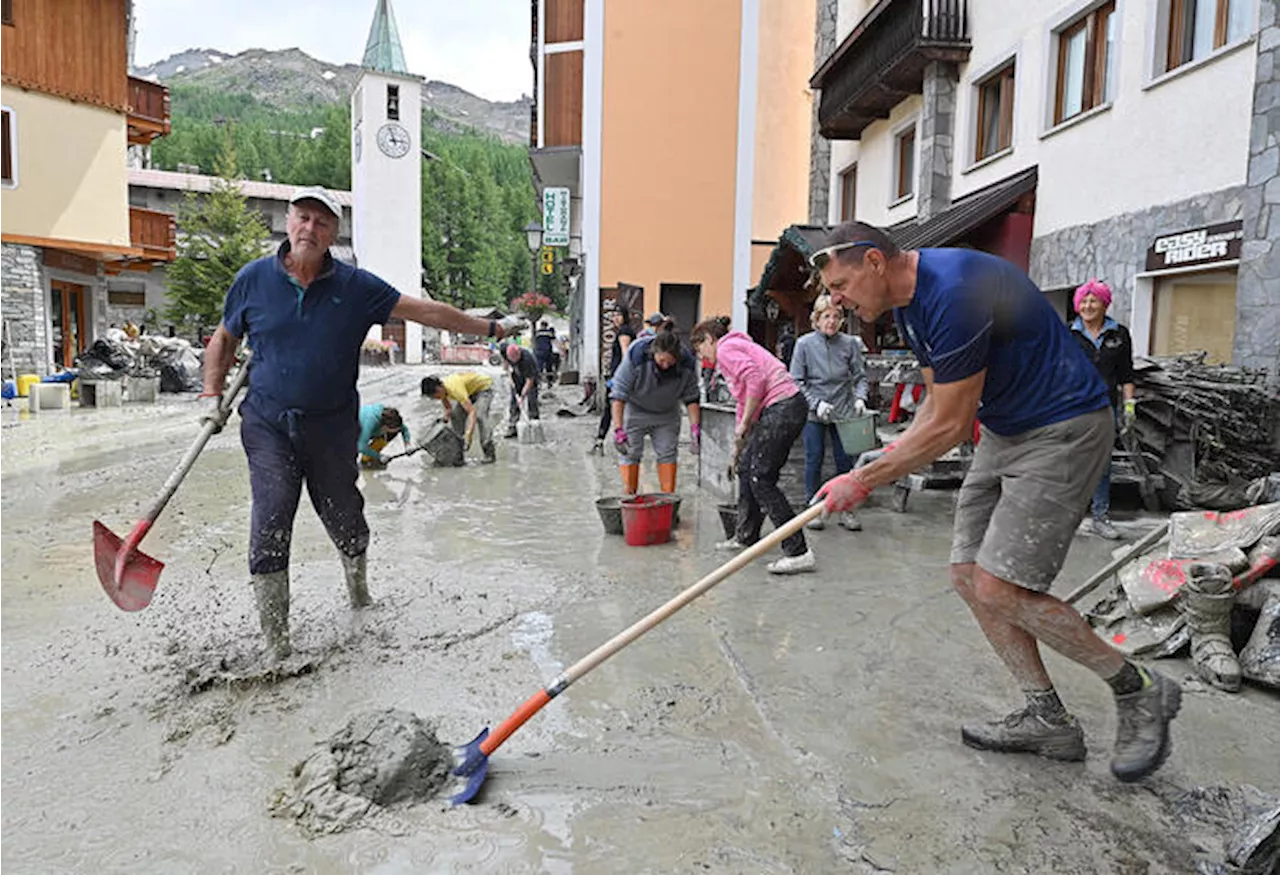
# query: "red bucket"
[[646, 519]]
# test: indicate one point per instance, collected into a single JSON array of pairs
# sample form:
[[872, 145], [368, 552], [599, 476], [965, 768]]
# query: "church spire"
[[382, 51]]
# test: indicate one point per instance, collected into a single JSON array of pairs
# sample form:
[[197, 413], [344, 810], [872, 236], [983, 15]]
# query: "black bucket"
[[610, 510]]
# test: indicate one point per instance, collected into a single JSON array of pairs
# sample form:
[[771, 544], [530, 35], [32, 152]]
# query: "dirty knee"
[[962, 580]]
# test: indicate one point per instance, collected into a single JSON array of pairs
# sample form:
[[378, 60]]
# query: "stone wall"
[[22, 304], [937, 129], [1257, 340], [1115, 250], [824, 43]]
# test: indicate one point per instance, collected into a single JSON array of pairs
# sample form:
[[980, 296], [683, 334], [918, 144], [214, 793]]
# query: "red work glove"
[[845, 492]]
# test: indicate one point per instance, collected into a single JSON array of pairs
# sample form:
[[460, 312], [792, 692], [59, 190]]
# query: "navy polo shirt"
[[306, 343], [973, 311]]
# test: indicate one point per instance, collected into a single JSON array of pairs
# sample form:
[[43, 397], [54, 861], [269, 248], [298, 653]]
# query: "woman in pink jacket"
[[771, 414]]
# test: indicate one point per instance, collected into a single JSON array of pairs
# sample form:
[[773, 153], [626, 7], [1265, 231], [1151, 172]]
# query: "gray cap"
[[656, 319], [316, 193]]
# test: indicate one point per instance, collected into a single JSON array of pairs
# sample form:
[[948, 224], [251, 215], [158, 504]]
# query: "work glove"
[[859, 407], [824, 410], [620, 442], [1130, 412], [872, 455], [695, 439], [845, 492]]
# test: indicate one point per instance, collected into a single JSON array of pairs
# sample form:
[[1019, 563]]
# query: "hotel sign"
[[1197, 246]]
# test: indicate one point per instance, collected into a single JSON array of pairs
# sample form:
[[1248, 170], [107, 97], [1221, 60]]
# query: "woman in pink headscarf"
[[1107, 344]]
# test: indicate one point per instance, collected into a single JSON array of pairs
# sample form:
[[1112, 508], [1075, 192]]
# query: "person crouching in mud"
[[771, 415], [990, 344], [305, 315], [467, 398], [379, 425]]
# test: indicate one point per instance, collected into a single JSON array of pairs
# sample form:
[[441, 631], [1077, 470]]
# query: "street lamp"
[[533, 234]]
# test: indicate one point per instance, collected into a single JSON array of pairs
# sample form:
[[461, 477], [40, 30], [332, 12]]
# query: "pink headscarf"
[[1095, 287]]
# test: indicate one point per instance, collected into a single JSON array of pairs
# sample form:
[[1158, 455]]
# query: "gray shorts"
[[1024, 496]]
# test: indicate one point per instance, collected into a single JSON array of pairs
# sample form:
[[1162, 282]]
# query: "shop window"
[[1086, 62], [995, 113], [9, 147], [904, 164], [1193, 29], [1195, 312], [393, 102], [849, 194]]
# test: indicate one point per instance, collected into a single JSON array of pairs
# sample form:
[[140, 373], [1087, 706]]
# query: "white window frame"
[[895, 170], [1069, 16], [975, 81], [1157, 45], [13, 147]]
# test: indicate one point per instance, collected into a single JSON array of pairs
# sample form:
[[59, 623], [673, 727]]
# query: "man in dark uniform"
[[991, 346], [305, 315]]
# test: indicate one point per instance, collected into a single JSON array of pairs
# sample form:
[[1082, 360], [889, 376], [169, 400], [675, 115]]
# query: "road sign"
[[555, 217], [548, 268]]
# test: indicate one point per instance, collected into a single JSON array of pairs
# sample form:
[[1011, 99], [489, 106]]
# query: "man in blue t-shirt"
[[305, 315], [991, 346]]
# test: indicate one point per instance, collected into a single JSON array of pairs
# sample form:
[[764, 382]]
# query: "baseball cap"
[[656, 319], [316, 193]]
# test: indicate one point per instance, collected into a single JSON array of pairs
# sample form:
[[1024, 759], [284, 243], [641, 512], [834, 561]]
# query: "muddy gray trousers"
[[767, 449], [481, 401], [662, 428]]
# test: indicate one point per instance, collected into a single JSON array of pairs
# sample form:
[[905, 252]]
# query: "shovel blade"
[[472, 767], [133, 585]]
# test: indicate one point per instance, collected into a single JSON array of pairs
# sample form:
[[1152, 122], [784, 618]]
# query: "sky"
[[479, 45]]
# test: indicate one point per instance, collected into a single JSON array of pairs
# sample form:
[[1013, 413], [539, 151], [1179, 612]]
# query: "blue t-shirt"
[[973, 311], [306, 344]]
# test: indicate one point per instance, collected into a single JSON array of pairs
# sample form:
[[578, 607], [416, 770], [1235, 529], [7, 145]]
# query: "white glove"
[[859, 407], [824, 411]]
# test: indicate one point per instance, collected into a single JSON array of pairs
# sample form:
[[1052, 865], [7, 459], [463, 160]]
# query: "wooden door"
[[682, 303], [1198, 312], [69, 317]]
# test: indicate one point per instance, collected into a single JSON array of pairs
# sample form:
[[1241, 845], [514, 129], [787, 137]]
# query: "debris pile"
[[1213, 427], [172, 359]]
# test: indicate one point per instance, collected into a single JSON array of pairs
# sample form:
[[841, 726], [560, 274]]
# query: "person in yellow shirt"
[[466, 397]]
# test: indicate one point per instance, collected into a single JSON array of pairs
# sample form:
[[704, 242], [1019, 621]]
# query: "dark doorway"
[[681, 302]]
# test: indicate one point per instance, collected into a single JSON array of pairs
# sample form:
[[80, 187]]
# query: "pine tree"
[[217, 235]]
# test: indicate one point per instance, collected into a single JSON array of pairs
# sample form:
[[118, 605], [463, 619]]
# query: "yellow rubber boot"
[[630, 478], [667, 476]]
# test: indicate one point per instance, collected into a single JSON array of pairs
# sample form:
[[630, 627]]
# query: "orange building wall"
[[669, 145]]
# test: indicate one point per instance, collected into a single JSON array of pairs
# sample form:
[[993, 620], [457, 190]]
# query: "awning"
[[967, 214], [788, 266]]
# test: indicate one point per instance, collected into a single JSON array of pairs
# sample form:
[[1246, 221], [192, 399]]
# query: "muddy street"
[[799, 725]]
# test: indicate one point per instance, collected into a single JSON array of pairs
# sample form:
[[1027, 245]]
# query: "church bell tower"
[[386, 172]]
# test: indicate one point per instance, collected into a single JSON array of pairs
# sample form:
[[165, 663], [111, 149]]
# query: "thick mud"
[[801, 725]]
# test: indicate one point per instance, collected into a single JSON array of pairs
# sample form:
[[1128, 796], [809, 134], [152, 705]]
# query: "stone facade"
[[23, 306], [1257, 338], [937, 131], [824, 43], [1115, 250]]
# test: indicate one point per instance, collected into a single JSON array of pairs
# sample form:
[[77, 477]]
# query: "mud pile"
[[378, 759]]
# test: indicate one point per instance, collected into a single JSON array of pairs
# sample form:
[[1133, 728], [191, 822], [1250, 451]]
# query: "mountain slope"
[[290, 79]]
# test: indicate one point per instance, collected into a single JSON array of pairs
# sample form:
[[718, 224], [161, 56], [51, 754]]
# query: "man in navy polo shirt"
[[991, 346], [305, 315]]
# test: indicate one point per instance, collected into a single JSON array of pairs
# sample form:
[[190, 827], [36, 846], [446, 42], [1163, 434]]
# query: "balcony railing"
[[154, 232], [148, 111], [883, 59]]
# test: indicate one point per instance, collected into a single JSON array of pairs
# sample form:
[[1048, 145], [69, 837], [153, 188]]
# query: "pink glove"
[[620, 440], [695, 439], [845, 492]]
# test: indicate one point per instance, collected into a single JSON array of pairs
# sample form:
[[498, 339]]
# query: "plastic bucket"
[[646, 520], [675, 509], [25, 382], [610, 510], [444, 445], [857, 435]]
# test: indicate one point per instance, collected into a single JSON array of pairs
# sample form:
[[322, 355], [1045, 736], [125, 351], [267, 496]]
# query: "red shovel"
[[128, 575]]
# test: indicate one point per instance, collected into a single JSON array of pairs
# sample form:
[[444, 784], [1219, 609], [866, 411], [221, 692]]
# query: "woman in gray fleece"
[[828, 367]]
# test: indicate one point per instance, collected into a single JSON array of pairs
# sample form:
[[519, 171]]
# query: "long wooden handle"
[[1115, 564], [573, 673]]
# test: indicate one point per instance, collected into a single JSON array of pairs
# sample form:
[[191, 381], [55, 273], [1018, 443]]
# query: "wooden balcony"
[[883, 59], [148, 111], [153, 232]]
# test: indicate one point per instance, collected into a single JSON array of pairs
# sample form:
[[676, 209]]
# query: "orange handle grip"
[[532, 706]]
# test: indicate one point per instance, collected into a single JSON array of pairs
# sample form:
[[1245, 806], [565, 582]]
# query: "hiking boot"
[[1058, 738], [733, 545], [806, 561], [1102, 527], [849, 520], [1142, 734]]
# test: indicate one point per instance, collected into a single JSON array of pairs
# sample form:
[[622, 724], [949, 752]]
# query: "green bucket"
[[857, 435]]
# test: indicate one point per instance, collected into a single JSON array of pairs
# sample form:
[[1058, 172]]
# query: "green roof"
[[382, 51]]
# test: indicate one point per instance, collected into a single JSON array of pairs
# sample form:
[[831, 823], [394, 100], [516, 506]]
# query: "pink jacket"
[[752, 372]]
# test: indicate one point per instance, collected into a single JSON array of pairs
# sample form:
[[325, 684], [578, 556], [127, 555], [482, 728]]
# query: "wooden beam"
[[80, 247]]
